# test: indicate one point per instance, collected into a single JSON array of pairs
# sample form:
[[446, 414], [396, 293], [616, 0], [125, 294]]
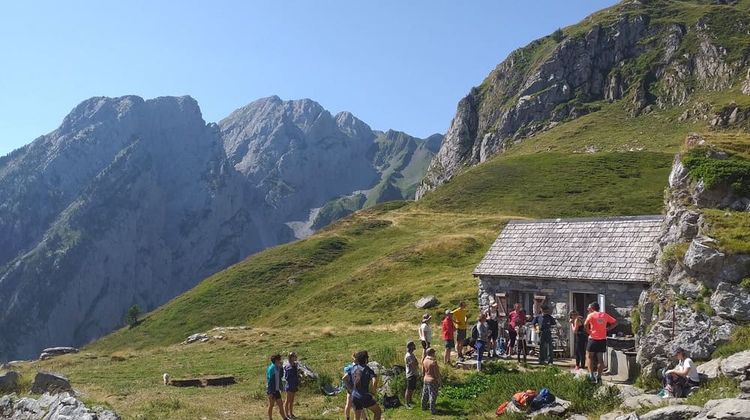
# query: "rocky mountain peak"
[[642, 54]]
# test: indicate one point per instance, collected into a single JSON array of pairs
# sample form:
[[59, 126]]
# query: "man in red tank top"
[[597, 324]]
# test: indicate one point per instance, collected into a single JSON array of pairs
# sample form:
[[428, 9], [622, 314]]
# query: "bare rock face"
[[63, 406], [134, 201], [635, 56], [674, 310]]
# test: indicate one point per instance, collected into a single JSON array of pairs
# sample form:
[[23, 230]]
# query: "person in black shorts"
[[412, 372], [494, 327], [360, 378], [273, 386]]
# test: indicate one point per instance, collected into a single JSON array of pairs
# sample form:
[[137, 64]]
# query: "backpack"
[[501, 408], [391, 401], [523, 399], [543, 399], [475, 332]]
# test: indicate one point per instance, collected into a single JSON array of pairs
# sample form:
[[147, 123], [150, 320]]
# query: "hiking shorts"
[[425, 344], [365, 401], [460, 335], [449, 344], [596, 346], [411, 383]]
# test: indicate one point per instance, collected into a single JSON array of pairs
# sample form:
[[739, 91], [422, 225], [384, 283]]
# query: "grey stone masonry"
[[597, 249]]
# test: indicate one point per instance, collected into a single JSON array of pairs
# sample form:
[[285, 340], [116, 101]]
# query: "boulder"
[[745, 386], [673, 412], [577, 417], [710, 369], [627, 391], [427, 302], [701, 256], [737, 365], [641, 401], [558, 408], [61, 406], [196, 337], [9, 382], [731, 302], [53, 383], [630, 416], [56, 351], [729, 409]]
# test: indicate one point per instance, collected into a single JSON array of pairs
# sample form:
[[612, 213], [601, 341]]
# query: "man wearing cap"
[[448, 332], [410, 361], [425, 334], [683, 375]]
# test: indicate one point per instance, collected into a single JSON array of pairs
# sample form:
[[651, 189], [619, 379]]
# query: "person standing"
[[360, 378], [432, 381], [410, 361], [492, 323], [291, 378], [483, 334], [347, 369], [273, 386], [544, 322], [448, 330], [425, 334], [579, 339], [516, 318], [683, 375], [521, 340], [460, 319], [597, 324]]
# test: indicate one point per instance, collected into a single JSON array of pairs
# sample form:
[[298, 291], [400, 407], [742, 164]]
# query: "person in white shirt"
[[425, 334], [684, 375]]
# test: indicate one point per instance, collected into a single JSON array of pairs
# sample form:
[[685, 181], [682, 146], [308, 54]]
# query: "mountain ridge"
[[132, 201]]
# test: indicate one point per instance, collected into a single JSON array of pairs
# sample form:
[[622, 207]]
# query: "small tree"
[[558, 35], [132, 315]]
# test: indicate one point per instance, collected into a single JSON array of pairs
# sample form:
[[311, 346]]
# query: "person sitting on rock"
[[684, 375]]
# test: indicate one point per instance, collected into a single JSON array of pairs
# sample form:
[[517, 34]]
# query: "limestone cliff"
[[698, 296], [649, 53]]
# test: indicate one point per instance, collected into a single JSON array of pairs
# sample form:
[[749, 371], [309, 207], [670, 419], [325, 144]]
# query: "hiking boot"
[[408, 406]]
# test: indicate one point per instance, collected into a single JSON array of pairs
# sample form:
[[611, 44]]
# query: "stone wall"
[[620, 297]]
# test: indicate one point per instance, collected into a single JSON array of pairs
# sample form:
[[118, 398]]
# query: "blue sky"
[[393, 63]]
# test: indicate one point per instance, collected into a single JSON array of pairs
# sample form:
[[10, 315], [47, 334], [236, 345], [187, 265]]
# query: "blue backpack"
[[542, 399]]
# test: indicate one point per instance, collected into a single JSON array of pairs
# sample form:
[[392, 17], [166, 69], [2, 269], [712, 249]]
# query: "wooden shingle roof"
[[601, 249]]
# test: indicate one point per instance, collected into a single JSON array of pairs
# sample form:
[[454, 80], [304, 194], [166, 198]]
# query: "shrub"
[[131, 317], [635, 316], [721, 387], [732, 171], [558, 35], [739, 341]]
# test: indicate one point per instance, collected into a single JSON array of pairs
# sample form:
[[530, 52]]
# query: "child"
[[410, 360], [432, 380], [291, 377], [273, 386], [521, 341]]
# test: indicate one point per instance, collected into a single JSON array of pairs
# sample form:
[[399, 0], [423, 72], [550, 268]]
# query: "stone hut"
[[569, 263]]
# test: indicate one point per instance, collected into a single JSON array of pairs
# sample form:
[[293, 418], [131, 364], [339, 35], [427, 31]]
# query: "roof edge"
[[590, 219], [476, 274]]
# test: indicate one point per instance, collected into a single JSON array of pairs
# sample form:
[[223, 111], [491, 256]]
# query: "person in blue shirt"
[[347, 385], [360, 379], [273, 386], [291, 384], [544, 323]]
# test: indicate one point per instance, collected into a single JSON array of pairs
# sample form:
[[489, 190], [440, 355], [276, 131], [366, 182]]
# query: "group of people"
[[492, 334]]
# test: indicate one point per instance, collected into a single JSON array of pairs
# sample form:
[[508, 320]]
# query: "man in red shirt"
[[448, 332], [597, 324], [516, 317]]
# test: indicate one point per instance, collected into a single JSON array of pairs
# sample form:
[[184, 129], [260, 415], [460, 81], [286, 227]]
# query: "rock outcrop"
[[134, 201], [62, 406], [642, 53], [696, 300]]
